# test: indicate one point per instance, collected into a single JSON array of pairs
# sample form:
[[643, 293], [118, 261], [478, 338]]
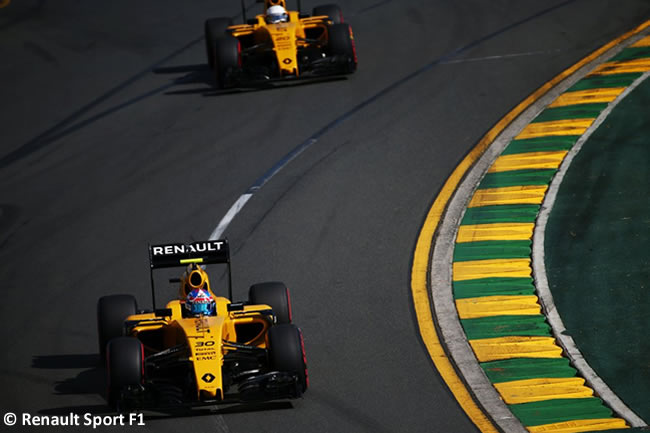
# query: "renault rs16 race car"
[[280, 45], [201, 349]]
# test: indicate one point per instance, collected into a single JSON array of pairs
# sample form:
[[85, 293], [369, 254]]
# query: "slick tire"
[[227, 59], [333, 11], [111, 312], [274, 294], [341, 43], [287, 353], [213, 28], [125, 365]]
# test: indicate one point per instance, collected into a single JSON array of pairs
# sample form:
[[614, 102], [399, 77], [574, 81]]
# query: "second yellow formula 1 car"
[[201, 349], [280, 45]]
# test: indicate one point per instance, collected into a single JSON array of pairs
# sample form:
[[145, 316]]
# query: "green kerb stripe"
[[516, 178], [579, 111], [605, 81], [505, 326], [501, 214], [631, 53], [541, 144], [527, 368], [493, 287], [560, 410], [486, 250]]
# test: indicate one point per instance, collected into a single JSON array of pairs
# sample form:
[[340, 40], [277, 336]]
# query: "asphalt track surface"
[[112, 137]]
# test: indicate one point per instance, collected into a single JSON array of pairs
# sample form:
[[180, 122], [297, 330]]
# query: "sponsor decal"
[[204, 343], [198, 247], [208, 377], [206, 358]]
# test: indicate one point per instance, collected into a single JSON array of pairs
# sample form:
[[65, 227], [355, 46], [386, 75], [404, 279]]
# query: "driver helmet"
[[199, 302], [276, 14]]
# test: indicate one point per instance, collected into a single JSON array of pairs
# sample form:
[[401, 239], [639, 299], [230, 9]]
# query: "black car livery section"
[[200, 252], [170, 358], [203, 252]]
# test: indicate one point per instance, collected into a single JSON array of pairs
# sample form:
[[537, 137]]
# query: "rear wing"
[[180, 255]]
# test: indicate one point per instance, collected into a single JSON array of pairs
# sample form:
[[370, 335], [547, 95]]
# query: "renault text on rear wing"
[[202, 252]]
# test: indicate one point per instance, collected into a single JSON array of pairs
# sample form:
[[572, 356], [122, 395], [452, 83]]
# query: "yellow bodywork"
[[286, 37], [204, 337]]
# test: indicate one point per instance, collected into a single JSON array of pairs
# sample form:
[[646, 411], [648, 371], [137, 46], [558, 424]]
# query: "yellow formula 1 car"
[[201, 349], [280, 45]]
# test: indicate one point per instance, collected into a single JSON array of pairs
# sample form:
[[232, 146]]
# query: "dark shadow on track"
[[215, 410], [58, 131], [90, 381], [93, 381], [201, 74], [63, 128]]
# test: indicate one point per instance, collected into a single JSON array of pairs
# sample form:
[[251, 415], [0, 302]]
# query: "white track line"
[[229, 216], [444, 307]]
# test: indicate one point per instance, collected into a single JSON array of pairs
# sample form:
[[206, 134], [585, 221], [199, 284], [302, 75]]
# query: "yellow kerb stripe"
[[476, 269], [645, 42], [555, 127], [528, 160], [638, 65], [590, 96], [530, 390], [495, 349], [495, 232], [529, 194], [580, 425], [421, 256], [489, 306]]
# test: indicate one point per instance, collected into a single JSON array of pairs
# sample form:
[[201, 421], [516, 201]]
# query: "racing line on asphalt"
[[293, 154], [535, 390]]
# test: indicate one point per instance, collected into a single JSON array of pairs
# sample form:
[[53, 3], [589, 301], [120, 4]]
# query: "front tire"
[[227, 60], [125, 365], [287, 353], [213, 28], [341, 43], [274, 294], [111, 312]]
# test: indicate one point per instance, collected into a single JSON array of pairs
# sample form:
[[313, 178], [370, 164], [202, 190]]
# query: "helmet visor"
[[277, 18], [201, 308]]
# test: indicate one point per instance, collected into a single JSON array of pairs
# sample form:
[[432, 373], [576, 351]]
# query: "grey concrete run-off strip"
[[541, 281], [444, 307]]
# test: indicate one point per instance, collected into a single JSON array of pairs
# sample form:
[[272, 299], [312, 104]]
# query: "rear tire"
[[274, 294], [341, 43], [125, 362], [227, 60], [333, 11], [111, 312], [287, 353], [213, 28]]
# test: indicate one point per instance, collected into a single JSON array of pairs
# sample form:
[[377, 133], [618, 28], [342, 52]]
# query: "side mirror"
[[235, 306]]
